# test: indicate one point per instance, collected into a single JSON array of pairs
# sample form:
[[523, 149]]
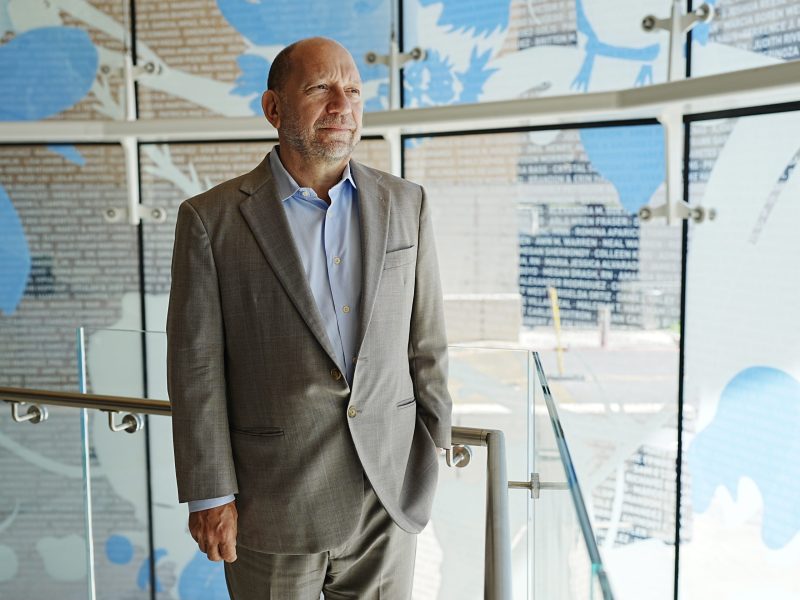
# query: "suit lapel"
[[265, 215], [373, 204]]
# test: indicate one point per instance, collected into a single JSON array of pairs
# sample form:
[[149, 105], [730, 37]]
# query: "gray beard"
[[313, 151]]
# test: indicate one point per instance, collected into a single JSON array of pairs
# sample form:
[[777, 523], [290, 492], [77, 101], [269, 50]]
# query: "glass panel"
[[608, 334], [214, 57], [133, 481], [746, 34], [172, 173], [62, 60], [61, 263], [489, 388], [43, 550], [741, 489], [481, 50]]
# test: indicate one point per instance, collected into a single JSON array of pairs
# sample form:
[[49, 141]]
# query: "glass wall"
[[539, 247], [746, 34], [482, 50], [742, 379], [592, 289]]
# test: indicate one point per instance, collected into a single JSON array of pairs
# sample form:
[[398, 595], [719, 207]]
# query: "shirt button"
[[345, 309], [305, 193], [336, 374], [352, 412], [336, 260]]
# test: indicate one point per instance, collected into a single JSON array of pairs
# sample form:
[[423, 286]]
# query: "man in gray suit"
[[307, 359]]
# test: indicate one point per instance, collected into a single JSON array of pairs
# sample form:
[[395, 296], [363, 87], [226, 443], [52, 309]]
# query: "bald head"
[[286, 60]]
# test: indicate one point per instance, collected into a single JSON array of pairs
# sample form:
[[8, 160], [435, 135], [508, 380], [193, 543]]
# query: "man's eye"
[[355, 91]]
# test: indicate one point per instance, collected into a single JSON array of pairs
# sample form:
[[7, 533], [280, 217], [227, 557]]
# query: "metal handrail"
[[574, 487], [497, 578], [93, 401]]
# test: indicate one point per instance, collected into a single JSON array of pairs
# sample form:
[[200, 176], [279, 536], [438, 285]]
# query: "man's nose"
[[339, 103]]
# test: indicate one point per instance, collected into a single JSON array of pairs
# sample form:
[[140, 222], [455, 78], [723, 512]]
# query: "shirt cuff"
[[195, 505]]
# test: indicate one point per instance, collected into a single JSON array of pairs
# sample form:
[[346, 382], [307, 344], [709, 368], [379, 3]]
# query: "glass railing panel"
[[43, 550], [136, 519], [490, 390], [566, 560]]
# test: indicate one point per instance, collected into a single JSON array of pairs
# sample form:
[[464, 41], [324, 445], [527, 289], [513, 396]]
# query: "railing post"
[[497, 579]]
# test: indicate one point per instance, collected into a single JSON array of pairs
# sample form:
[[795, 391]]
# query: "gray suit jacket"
[[259, 407]]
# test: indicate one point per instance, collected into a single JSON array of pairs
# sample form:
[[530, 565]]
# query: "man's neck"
[[320, 176]]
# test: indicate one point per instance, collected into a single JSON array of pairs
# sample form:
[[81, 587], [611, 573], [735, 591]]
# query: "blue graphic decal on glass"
[[631, 158], [119, 549], [595, 47], [15, 258], [474, 78], [477, 17], [70, 153], [253, 79], [143, 578], [202, 579], [433, 82], [45, 71], [360, 25], [754, 434], [701, 31]]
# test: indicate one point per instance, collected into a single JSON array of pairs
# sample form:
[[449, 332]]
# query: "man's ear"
[[270, 104]]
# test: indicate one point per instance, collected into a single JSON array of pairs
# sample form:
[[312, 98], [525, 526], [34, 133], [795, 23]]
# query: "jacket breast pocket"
[[398, 258]]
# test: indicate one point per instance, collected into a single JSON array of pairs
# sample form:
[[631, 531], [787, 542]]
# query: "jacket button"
[[336, 374], [352, 412]]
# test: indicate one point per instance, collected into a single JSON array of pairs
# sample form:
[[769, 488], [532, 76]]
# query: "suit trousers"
[[375, 563]]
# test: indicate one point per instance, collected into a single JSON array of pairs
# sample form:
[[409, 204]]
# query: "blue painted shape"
[[253, 79], [429, 82], [701, 31], [45, 71], [202, 579], [70, 153], [482, 16], [143, 578], [595, 47], [119, 549], [15, 257], [474, 78], [630, 157], [360, 25], [754, 434]]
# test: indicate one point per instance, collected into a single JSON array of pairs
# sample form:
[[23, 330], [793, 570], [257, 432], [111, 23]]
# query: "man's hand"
[[214, 530]]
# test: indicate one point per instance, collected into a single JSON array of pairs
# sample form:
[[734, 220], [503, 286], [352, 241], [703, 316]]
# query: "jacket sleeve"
[[196, 366], [427, 350]]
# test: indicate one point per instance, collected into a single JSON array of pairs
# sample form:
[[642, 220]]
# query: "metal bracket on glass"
[[130, 422], [681, 210], [458, 456], [677, 24], [137, 71], [149, 214], [534, 486], [35, 413], [417, 53]]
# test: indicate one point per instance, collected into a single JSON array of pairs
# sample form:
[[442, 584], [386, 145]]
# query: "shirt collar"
[[285, 183]]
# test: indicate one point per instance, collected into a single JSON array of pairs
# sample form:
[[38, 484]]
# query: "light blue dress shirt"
[[328, 239]]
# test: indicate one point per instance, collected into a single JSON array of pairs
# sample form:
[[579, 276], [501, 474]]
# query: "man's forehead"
[[329, 68]]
